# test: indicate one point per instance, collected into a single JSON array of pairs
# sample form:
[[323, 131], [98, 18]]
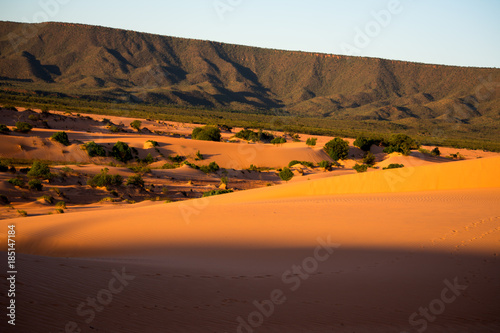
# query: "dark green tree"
[[337, 149]]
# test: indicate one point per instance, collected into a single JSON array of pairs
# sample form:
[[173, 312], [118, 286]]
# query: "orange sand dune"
[[355, 253], [166, 225]]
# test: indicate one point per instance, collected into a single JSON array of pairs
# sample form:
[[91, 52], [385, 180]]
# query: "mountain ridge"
[[132, 66]]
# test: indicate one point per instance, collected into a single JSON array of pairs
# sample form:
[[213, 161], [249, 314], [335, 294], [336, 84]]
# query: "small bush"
[[61, 204], [199, 156], [337, 149], [360, 168], [278, 141], [115, 129], [23, 213], [224, 180], [212, 167], [311, 142], [327, 165], [66, 170], [61, 137], [40, 170], [47, 198], [207, 133], [122, 152], [23, 127], [170, 166], [248, 135], [436, 152], [400, 143], [136, 124], [153, 143], [177, 158], [105, 180], [35, 184], [369, 159], [140, 169], [17, 182], [148, 159], [286, 174], [4, 129], [394, 166], [365, 143], [59, 211], [305, 163], [135, 180], [216, 192], [94, 149]]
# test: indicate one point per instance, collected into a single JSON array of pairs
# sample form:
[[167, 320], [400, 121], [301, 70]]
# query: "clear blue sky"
[[452, 32]]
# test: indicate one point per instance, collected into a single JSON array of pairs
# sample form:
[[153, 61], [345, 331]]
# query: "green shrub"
[[224, 180], [4, 129], [305, 163], [337, 149], [400, 143], [286, 174], [94, 149], [105, 180], [40, 170], [135, 180], [170, 166], [265, 137], [115, 129], [199, 156], [216, 192], [59, 211], [23, 213], [207, 133], [148, 159], [140, 169], [248, 135], [369, 159], [365, 143], [311, 142], [4, 200], [327, 165], [212, 167], [61, 204], [47, 198], [16, 182], [153, 143], [278, 141], [61, 137], [394, 166], [436, 152], [177, 158], [121, 151], [136, 124], [23, 127], [360, 168], [35, 184]]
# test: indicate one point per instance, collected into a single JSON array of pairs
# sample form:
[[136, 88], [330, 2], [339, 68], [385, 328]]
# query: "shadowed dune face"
[[355, 289]]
